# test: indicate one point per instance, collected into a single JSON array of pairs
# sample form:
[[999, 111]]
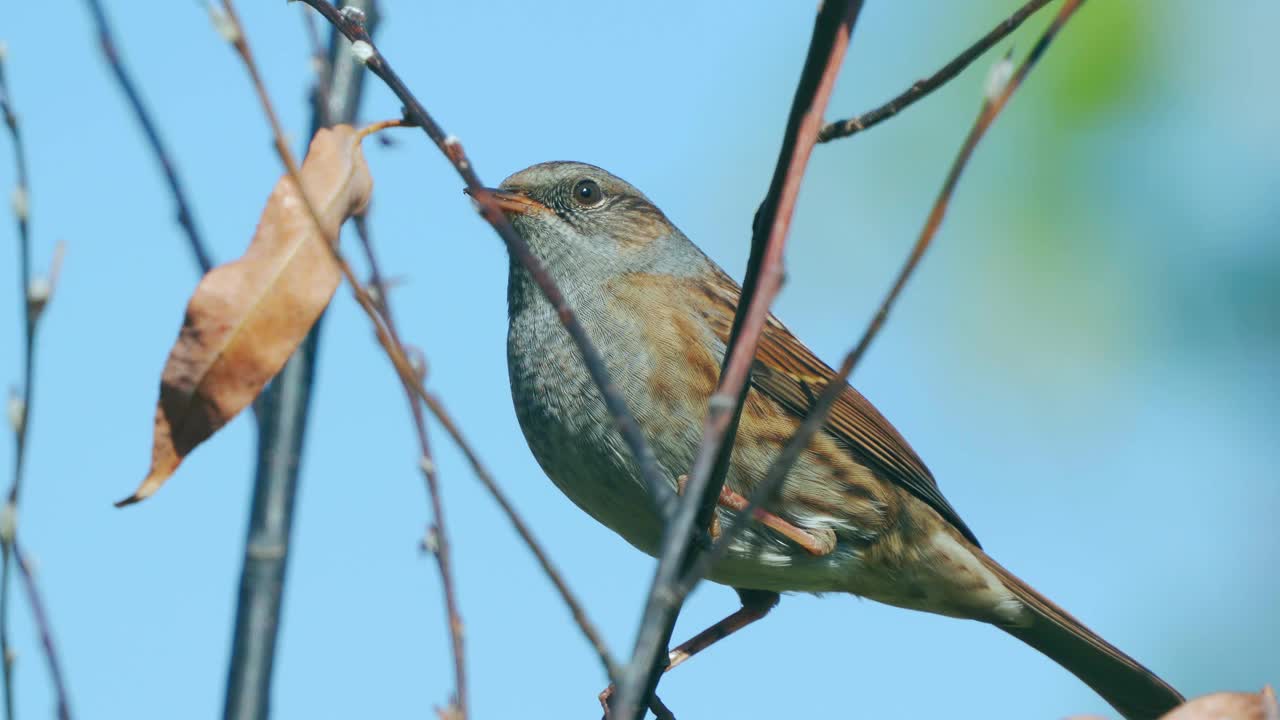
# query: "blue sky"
[[1086, 359]]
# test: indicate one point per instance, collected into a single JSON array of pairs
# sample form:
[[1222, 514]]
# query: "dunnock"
[[859, 513]]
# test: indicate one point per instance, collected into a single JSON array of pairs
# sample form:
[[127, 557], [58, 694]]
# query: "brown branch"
[[441, 548], [991, 107], [658, 483], [920, 88], [107, 44], [35, 297], [379, 311], [382, 302], [832, 29], [282, 412]]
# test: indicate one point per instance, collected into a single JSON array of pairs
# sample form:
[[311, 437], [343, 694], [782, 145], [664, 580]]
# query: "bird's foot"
[[819, 542]]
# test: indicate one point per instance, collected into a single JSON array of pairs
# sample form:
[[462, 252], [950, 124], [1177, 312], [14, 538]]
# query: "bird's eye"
[[587, 193]]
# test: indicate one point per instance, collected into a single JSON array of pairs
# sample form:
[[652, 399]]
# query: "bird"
[[858, 513]]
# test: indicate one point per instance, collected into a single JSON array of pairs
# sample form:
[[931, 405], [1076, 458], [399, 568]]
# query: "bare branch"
[[21, 202], [920, 88], [44, 628], [658, 483], [991, 107], [434, 404], [831, 32], [441, 546], [107, 44], [282, 414], [36, 293], [354, 30]]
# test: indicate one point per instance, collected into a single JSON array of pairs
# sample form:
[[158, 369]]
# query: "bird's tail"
[[1136, 692]]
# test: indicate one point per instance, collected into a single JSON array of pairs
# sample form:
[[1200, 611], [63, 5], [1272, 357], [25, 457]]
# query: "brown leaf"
[[246, 317], [1229, 706]]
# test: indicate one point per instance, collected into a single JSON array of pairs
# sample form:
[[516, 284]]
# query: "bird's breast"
[[567, 425], [665, 362]]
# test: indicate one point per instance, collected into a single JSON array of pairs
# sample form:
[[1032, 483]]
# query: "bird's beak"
[[510, 202]]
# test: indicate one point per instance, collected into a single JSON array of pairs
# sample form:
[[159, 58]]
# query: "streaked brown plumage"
[[660, 311]]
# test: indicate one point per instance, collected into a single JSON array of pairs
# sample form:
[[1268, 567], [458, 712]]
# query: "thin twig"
[[660, 485], [920, 88], [35, 297], [282, 411], [817, 417], [832, 28], [382, 299], [411, 377], [107, 44], [21, 201], [395, 349], [18, 412], [442, 546], [44, 628], [579, 613]]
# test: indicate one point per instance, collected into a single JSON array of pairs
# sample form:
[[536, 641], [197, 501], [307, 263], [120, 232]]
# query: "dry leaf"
[[1229, 706], [247, 317]]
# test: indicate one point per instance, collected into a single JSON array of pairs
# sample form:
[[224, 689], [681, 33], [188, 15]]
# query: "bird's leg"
[[818, 542], [755, 605]]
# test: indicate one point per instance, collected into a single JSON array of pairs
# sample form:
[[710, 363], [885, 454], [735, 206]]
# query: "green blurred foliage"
[[1108, 73]]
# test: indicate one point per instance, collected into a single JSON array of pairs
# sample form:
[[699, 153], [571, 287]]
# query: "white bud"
[[417, 361], [453, 148], [426, 464], [223, 23], [8, 522], [39, 290], [998, 77], [431, 541], [20, 202], [361, 51], [17, 411]]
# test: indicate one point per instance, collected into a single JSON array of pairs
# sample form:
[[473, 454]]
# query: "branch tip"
[[999, 76], [225, 26]]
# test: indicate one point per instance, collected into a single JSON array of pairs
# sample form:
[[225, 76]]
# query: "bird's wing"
[[791, 375]]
